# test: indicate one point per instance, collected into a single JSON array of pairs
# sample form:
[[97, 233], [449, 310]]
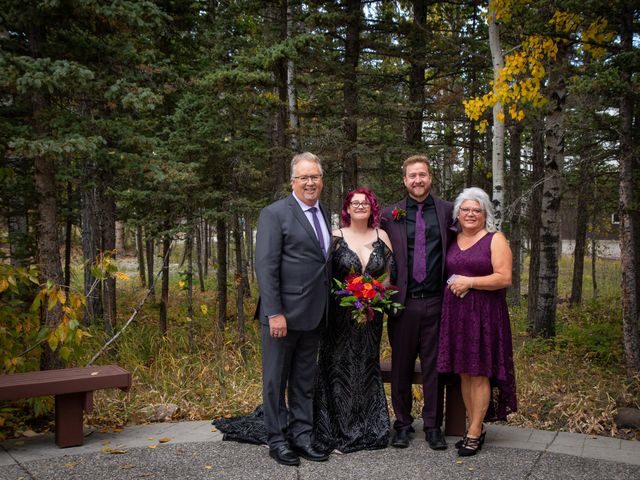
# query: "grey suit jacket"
[[293, 273]]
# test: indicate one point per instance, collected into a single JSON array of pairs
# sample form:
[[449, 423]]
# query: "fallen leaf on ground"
[[164, 440], [208, 467], [113, 451], [152, 446], [70, 465]]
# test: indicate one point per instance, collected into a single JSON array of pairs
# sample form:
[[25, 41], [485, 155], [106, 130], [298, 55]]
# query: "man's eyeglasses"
[[467, 211], [359, 205], [307, 178]]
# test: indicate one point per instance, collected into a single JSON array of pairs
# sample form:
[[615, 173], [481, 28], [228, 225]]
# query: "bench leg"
[[455, 413], [69, 411]]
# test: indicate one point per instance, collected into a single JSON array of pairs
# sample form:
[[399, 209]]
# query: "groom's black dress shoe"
[[284, 455], [401, 438], [310, 453], [435, 439]]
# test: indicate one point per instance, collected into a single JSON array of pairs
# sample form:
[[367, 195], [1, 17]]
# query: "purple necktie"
[[420, 248], [316, 224]]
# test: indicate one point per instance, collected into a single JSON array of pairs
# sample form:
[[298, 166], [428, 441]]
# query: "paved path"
[[193, 450]]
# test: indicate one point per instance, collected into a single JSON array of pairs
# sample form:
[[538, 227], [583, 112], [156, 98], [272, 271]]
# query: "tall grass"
[[574, 382]]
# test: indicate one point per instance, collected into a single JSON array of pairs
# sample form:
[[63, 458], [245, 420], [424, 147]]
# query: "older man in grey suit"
[[293, 276]]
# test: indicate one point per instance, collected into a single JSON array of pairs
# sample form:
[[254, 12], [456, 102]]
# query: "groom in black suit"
[[293, 276]]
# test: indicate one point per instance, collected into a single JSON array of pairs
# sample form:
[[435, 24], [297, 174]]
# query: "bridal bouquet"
[[365, 295]]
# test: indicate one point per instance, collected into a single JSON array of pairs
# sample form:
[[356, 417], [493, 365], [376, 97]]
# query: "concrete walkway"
[[194, 450]]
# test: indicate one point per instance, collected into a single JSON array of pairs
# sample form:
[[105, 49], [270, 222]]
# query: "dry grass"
[[574, 383]]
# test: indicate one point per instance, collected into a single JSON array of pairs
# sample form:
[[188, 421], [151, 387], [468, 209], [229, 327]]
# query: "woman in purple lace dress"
[[475, 334]]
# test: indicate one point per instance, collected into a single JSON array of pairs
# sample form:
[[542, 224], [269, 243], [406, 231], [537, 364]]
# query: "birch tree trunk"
[[544, 320], [497, 160]]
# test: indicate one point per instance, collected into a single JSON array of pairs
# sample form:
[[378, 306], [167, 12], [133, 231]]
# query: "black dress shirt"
[[432, 285]]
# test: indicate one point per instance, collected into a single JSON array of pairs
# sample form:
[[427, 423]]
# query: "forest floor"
[[575, 382]]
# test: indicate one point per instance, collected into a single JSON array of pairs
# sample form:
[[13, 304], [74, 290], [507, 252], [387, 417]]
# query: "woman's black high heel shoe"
[[470, 446], [460, 442]]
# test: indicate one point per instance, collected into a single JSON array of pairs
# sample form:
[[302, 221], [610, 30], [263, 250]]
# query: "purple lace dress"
[[475, 334]]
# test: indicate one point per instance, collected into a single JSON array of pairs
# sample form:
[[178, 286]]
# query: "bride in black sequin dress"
[[350, 406]]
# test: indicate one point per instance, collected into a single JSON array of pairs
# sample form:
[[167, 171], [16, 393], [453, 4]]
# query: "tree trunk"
[[413, 124], [594, 256], [120, 242], [90, 242], [249, 250], [535, 207], [198, 235], [20, 251], [164, 295], [108, 209], [350, 96], [497, 161], [629, 209], [292, 96], [206, 239], [237, 239], [515, 211], [49, 266], [472, 153], [582, 219], [276, 32], [189, 249], [544, 319], [150, 247], [221, 235], [68, 231], [140, 251]]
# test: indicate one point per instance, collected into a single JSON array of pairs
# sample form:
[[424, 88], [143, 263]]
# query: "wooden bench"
[[455, 413], [73, 389]]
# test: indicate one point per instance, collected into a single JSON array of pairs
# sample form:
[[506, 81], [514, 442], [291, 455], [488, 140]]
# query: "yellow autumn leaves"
[[519, 83]]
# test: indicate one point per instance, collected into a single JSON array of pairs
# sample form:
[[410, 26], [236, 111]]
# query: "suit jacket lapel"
[[401, 253], [301, 217]]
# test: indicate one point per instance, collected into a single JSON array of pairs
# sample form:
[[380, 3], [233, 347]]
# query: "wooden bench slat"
[[63, 381]]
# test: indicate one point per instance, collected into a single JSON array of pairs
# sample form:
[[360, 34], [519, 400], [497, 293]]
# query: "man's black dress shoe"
[[310, 453], [435, 439], [284, 456], [401, 438]]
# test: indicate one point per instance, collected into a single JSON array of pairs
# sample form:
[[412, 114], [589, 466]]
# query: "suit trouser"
[[289, 364], [415, 334]]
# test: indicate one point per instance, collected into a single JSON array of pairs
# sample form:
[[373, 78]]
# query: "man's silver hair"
[[478, 195], [310, 157]]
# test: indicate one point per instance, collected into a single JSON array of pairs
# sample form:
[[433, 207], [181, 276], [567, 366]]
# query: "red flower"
[[398, 214]]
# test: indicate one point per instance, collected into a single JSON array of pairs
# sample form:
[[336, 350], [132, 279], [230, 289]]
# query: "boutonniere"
[[398, 214]]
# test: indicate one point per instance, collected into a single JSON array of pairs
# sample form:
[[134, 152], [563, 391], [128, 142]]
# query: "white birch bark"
[[497, 160]]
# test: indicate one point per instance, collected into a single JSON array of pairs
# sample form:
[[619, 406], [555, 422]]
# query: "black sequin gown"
[[350, 406]]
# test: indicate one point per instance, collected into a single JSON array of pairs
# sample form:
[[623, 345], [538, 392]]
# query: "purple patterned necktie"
[[316, 224], [420, 248]]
